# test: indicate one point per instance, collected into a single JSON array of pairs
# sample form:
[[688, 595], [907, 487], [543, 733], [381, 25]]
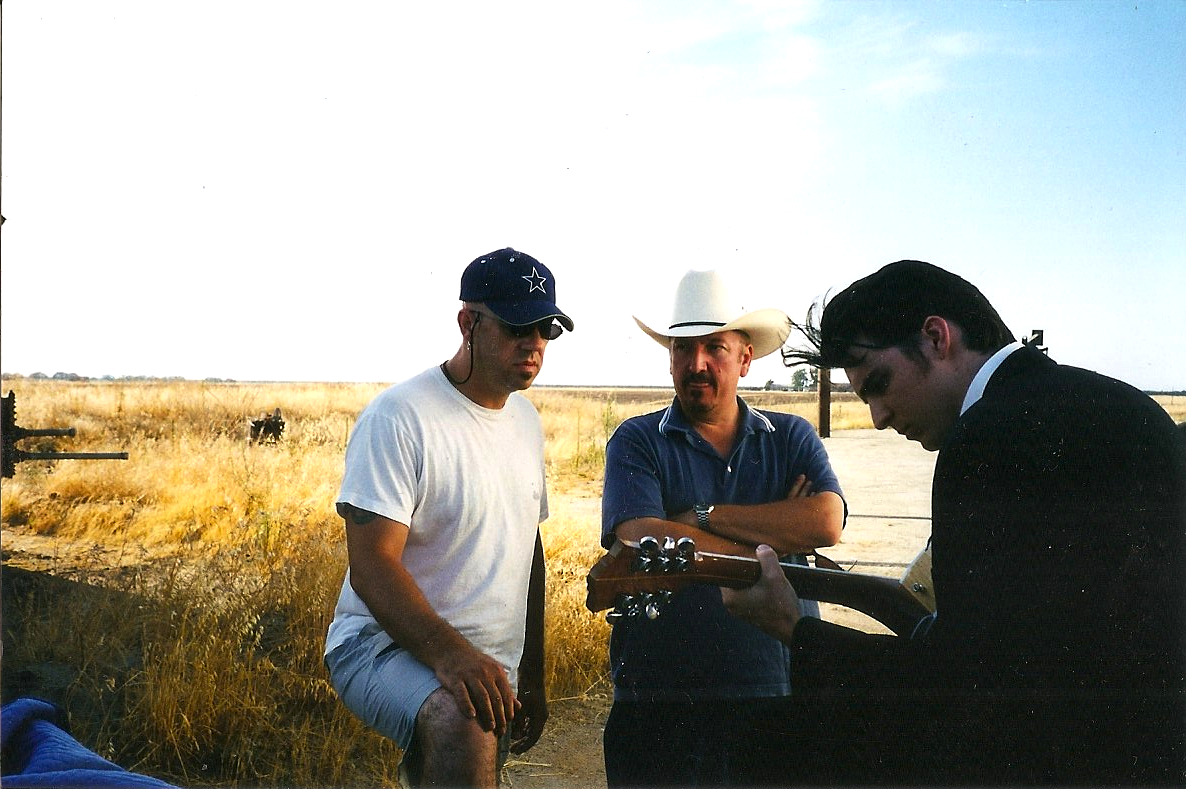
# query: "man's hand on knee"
[[480, 686]]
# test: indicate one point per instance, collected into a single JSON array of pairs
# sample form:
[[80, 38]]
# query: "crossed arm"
[[799, 523], [478, 682]]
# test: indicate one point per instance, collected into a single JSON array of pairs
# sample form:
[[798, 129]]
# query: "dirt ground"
[[887, 484]]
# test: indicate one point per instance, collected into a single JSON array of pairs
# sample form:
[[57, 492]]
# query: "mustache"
[[699, 378]]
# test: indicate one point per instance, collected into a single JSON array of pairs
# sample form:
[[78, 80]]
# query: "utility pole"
[[825, 402]]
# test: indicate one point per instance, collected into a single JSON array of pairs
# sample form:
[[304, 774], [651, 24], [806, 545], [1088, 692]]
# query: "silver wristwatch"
[[702, 511]]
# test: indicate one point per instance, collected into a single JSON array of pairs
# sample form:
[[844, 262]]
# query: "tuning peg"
[[653, 603], [644, 604], [650, 555], [621, 609]]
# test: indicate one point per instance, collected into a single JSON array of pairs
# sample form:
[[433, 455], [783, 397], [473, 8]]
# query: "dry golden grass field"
[[176, 603]]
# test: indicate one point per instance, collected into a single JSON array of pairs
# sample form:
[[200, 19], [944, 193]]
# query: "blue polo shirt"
[[657, 465]]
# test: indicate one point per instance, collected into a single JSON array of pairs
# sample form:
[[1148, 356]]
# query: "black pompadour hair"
[[887, 309]]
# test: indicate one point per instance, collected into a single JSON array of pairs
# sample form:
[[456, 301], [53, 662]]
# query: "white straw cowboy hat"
[[704, 305]]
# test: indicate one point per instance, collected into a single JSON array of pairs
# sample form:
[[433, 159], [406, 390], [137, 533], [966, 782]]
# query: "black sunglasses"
[[548, 328]]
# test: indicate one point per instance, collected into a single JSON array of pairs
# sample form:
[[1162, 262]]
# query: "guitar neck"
[[629, 570], [884, 599]]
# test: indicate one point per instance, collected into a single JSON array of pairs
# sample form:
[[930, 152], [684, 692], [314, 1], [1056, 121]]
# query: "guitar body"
[[637, 577]]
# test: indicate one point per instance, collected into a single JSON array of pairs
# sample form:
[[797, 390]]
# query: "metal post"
[[11, 432], [825, 402]]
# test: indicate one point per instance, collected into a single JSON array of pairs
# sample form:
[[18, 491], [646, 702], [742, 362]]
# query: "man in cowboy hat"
[[693, 688]]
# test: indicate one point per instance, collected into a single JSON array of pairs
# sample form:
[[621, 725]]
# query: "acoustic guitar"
[[637, 579]]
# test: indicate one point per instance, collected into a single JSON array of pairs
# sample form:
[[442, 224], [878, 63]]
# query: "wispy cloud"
[[957, 44], [919, 78], [898, 58]]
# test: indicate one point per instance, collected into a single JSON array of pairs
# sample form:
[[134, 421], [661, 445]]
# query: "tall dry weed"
[[576, 657], [207, 568]]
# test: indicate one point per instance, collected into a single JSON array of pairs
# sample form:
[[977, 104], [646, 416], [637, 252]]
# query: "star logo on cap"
[[535, 281]]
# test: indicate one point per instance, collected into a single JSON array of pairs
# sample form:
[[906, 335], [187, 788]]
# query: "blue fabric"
[[38, 752], [657, 465]]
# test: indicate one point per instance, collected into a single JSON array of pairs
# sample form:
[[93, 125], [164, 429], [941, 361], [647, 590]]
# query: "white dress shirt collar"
[[976, 390]]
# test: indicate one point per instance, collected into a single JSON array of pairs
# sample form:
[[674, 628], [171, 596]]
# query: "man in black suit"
[[1058, 512]]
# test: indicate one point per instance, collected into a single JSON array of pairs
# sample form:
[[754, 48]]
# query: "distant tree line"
[[803, 379], [76, 377]]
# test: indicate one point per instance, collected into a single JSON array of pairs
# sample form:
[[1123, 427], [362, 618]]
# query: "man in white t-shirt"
[[437, 637]]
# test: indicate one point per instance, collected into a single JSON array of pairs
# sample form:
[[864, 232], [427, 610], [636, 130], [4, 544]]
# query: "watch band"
[[702, 512]]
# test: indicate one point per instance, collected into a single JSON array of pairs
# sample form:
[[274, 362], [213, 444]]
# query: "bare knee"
[[451, 749]]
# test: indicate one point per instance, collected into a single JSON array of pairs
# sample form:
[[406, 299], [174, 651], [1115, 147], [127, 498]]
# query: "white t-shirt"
[[469, 483]]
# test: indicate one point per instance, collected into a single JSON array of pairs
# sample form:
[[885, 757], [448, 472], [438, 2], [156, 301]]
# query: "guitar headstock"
[[638, 579]]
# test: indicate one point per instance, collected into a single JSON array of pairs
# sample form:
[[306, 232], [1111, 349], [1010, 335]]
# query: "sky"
[[264, 190]]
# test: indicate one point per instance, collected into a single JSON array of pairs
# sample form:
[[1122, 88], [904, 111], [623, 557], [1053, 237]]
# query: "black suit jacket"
[[1057, 656]]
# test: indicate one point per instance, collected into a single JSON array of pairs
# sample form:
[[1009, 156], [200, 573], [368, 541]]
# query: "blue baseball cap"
[[514, 286]]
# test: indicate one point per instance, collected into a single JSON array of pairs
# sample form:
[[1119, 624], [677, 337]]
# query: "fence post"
[[825, 402]]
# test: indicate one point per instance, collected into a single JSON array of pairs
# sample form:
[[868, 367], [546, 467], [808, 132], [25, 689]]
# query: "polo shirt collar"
[[674, 421]]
